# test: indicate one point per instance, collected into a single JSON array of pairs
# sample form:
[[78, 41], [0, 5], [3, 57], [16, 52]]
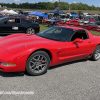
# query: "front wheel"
[[30, 30], [96, 53], [38, 63]]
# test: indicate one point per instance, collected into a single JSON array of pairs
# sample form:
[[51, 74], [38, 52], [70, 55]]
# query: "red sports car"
[[55, 45]]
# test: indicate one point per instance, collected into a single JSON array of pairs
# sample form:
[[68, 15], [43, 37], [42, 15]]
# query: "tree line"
[[51, 6]]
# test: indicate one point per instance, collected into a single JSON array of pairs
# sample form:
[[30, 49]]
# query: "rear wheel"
[[96, 53], [30, 30], [38, 63]]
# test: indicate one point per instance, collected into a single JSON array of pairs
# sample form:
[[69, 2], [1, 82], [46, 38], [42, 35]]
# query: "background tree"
[[51, 6]]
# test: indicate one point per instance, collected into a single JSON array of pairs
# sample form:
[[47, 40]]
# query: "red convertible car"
[[55, 45]]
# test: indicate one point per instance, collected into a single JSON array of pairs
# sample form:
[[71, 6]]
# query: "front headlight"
[[8, 64]]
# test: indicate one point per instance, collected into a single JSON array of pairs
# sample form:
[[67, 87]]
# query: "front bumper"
[[12, 58], [8, 68]]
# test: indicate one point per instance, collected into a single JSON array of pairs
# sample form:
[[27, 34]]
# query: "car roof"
[[13, 17]]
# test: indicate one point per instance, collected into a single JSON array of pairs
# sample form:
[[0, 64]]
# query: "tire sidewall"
[[93, 57]]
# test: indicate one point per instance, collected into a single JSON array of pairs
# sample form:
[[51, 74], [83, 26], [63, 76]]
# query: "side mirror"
[[78, 40]]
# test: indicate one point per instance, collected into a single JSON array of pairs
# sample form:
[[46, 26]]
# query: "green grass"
[[96, 33], [43, 27]]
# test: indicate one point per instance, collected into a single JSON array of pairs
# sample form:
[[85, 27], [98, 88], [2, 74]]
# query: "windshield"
[[56, 33]]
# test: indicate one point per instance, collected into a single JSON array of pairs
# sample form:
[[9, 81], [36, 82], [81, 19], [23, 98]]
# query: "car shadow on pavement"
[[68, 63], [21, 74], [11, 74]]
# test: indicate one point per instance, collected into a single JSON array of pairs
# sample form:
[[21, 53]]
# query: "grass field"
[[43, 27], [96, 33]]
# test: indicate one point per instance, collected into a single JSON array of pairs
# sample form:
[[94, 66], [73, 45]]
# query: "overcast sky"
[[89, 2]]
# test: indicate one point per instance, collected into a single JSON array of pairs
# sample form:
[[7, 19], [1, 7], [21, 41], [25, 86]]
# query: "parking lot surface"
[[1, 36], [78, 80]]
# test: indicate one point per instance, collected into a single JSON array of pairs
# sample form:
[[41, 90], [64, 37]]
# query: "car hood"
[[23, 40]]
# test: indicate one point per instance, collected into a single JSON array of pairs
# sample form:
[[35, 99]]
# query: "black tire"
[[96, 53], [30, 30], [38, 63]]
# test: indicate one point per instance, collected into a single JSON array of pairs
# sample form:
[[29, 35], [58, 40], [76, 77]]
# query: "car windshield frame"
[[57, 36]]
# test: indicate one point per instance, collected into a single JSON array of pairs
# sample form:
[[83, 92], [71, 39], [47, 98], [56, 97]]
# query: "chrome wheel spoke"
[[41, 58], [35, 59], [32, 31], [43, 64], [38, 69], [34, 68], [32, 62], [41, 67], [38, 58]]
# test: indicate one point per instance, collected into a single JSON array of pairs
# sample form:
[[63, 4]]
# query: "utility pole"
[[59, 3], [2, 4]]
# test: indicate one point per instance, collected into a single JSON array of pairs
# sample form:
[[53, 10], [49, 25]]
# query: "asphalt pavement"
[[1, 36], [78, 80]]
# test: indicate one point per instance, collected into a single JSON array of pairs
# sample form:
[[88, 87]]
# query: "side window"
[[23, 21], [80, 34], [17, 20], [13, 20]]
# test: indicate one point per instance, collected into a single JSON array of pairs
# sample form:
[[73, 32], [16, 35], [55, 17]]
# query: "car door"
[[11, 25], [24, 25], [4, 26], [78, 48]]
